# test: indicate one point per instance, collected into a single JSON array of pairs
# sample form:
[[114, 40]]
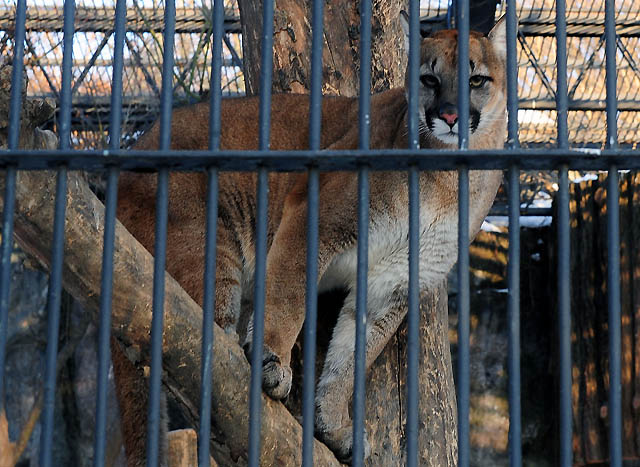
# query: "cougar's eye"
[[430, 81], [477, 81]]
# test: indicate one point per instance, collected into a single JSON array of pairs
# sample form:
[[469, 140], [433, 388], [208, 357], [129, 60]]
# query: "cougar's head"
[[438, 86]]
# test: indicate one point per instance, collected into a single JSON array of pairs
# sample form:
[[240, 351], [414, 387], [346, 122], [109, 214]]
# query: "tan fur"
[[285, 284]]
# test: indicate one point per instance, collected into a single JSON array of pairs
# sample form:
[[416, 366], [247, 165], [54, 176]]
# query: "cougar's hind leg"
[[335, 388], [132, 392]]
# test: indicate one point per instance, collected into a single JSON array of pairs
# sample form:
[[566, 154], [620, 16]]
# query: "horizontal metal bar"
[[575, 105], [381, 159], [96, 19], [586, 27], [499, 209]]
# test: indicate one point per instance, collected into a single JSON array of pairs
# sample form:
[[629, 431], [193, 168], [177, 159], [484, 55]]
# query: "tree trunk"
[[589, 315], [341, 51], [386, 380]]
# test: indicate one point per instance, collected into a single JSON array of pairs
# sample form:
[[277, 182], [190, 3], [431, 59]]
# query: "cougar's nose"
[[449, 113]]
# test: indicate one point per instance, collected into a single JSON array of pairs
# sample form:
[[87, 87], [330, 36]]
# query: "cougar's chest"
[[388, 258]]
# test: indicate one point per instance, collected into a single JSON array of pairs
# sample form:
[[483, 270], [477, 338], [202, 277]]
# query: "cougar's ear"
[[404, 21], [498, 37]]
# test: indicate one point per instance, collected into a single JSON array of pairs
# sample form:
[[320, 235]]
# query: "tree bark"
[[341, 48], [589, 315], [386, 380]]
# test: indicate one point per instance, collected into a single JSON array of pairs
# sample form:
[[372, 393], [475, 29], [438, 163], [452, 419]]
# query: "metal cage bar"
[[462, 305], [208, 308], [613, 247], [160, 245], [413, 313], [57, 248], [266, 72], [159, 261], [255, 402], [364, 120], [106, 286], [513, 310], [311, 317], [6, 247], [324, 160], [564, 318], [208, 317], [564, 244], [313, 188], [462, 23], [513, 273]]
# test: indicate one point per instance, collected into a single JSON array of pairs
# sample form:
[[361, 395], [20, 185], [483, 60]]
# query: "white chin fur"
[[448, 138], [444, 133]]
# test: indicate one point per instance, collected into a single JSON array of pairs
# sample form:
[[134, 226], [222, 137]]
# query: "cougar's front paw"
[[340, 441], [276, 377]]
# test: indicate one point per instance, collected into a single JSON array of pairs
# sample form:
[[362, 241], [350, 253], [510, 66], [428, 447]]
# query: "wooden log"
[[131, 316], [183, 449]]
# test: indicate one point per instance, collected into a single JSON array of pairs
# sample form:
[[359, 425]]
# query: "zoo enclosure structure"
[[513, 158]]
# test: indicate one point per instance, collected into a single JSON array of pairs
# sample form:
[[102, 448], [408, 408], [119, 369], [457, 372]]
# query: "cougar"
[[287, 211]]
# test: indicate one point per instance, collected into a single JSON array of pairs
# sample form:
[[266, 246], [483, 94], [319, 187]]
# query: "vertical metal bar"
[[364, 102], [610, 53], [613, 285], [57, 249], [160, 246], [53, 319], [155, 377], [67, 57], [106, 287], [462, 23], [413, 69], [216, 69], [361, 317], [414, 242], [166, 95], [564, 245], [10, 184], [104, 327], [515, 424], [208, 317], [413, 318], [311, 317], [255, 402], [266, 72], [208, 309], [463, 317], [364, 123], [562, 100], [515, 448], [17, 75], [613, 243], [512, 74], [564, 319], [5, 267]]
